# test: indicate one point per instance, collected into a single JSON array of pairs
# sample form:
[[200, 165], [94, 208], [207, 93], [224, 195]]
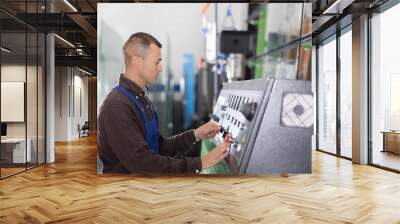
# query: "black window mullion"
[[317, 96], [45, 73], [0, 95], [72, 92], [37, 90], [26, 87], [338, 91], [369, 92]]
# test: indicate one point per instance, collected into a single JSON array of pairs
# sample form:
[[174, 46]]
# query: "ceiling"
[[332, 15], [74, 24]]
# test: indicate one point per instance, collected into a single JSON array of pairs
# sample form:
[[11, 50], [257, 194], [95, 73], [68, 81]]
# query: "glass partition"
[[41, 96], [31, 100], [385, 89], [14, 153], [22, 89], [346, 94], [327, 96]]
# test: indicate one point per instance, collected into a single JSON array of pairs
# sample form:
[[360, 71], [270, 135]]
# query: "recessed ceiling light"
[[64, 40], [338, 6], [5, 50], [70, 5], [84, 71]]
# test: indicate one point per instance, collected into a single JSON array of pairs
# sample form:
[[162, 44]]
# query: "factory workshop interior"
[[306, 90]]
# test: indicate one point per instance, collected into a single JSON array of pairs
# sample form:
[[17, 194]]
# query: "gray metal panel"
[[279, 148], [254, 84], [256, 126]]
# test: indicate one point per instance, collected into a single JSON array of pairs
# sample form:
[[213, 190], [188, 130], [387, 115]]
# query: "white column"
[[360, 90], [50, 95]]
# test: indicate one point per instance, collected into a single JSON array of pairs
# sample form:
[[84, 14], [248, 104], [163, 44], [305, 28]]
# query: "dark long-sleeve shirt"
[[121, 138]]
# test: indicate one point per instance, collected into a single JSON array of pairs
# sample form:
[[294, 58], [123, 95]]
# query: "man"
[[128, 138]]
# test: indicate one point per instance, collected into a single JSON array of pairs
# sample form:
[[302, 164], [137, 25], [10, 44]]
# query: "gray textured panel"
[[279, 148]]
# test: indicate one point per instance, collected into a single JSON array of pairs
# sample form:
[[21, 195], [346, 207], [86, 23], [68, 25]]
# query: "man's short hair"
[[138, 44]]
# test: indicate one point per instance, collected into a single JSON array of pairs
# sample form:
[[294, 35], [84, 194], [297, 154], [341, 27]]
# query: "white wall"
[[61, 103], [70, 83], [79, 117]]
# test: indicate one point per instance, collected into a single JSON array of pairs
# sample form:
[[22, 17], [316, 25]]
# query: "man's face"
[[151, 65]]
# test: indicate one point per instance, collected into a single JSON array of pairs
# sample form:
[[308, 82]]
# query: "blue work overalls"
[[150, 126]]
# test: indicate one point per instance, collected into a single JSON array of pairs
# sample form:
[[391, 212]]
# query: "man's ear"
[[136, 60]]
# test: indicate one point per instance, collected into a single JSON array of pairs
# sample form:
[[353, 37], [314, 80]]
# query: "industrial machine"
[[269, 124]]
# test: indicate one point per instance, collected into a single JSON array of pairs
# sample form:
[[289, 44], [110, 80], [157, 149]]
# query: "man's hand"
[[216, 155], [208, 130]]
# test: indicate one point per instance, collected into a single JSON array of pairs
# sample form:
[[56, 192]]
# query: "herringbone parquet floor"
[[70, 191]]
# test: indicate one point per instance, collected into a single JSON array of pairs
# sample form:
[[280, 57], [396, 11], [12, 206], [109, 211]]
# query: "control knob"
[[248, 110]]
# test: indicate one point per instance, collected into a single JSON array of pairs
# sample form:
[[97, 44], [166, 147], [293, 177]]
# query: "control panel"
[[268, 123], [235, 111]]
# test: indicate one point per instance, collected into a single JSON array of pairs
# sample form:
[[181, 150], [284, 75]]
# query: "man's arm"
[[127, 141], [182, 142], [178, 143]]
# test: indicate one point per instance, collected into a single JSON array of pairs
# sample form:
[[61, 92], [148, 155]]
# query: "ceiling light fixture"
[[65, 41], [86, 72], [70, 5], [5, 50], [337, 7], [79, 51]]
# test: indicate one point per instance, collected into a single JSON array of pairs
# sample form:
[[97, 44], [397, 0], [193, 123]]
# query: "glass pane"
[[13, 86], [327, 97], [306, 47], [385, 89], [41, 98], [31, 97], [346, 94], [283, 25], [282, 64], [305, 61]]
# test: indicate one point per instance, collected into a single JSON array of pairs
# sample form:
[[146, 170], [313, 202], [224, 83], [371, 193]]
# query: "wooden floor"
[[387, 159], [70, 191], [10, 171]]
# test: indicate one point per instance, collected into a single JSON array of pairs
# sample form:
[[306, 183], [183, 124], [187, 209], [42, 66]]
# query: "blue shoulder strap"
[[150, 126]]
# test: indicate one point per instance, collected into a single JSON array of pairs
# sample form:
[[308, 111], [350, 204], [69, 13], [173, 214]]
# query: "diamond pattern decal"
[[297, 110]]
